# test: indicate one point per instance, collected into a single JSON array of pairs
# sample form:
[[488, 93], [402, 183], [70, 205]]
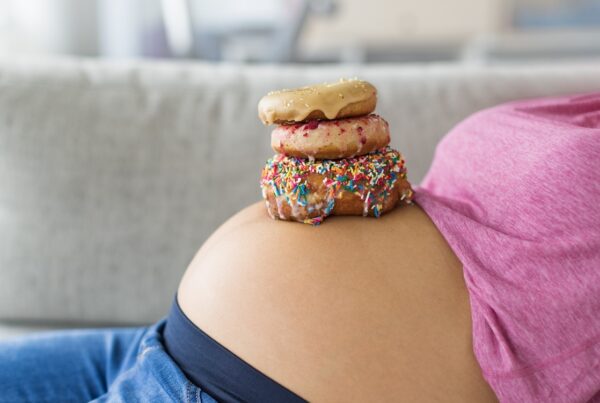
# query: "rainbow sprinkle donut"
[[307, 191]]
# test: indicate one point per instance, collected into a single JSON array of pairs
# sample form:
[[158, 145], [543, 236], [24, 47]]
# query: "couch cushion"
[[11, 330]]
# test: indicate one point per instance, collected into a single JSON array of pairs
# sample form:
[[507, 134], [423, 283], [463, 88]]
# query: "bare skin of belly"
[[357, 309]]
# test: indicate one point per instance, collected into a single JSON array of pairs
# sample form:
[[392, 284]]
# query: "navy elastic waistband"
[[214, 368]]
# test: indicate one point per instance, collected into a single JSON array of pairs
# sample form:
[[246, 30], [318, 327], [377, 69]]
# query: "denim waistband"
[[215, 369]]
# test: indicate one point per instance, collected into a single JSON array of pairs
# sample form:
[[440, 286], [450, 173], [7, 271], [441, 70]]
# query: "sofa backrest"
[[113, 174]]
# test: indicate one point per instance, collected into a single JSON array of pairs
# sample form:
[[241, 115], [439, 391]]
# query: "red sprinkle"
[[312, 125], [292, 127], [363, 140]]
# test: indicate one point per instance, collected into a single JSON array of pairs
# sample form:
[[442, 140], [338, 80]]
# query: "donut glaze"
[[308, 191], [331, 139], [345, 98]]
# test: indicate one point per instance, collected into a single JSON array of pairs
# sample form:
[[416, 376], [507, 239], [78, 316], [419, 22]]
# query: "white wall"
[[48, 26]]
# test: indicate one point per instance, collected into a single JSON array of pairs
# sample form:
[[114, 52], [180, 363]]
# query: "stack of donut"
[[333, 154]]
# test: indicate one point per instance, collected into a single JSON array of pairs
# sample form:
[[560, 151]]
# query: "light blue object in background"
[[561, 14]]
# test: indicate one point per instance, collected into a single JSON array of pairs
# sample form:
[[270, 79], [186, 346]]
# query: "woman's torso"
[[353, 310]]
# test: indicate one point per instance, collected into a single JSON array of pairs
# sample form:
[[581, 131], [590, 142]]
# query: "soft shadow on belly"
[[355, 309]]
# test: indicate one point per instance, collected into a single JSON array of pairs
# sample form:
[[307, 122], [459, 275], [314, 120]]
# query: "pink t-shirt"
[[515, 190]]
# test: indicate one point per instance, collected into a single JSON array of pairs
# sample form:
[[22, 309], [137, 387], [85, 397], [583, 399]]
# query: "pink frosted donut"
[[332, 139]]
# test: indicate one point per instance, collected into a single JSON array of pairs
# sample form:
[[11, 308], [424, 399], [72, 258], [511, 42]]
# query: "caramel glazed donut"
[[338, 166]]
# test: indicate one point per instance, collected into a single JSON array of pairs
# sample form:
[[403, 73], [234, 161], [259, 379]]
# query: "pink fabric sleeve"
[[515, 190]]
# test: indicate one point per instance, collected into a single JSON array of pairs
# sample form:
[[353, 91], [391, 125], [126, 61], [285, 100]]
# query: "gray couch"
[[113, 174]]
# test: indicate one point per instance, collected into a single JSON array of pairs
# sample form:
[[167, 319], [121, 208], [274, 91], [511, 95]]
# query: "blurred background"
[[305, 31]]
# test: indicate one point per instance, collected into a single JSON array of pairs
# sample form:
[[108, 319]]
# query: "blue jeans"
[[112, 365]]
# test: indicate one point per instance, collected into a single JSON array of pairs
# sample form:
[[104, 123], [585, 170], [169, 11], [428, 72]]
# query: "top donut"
[[342, 99]]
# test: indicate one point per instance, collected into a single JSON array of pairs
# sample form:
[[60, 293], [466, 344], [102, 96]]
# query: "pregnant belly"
[[354, 310]]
